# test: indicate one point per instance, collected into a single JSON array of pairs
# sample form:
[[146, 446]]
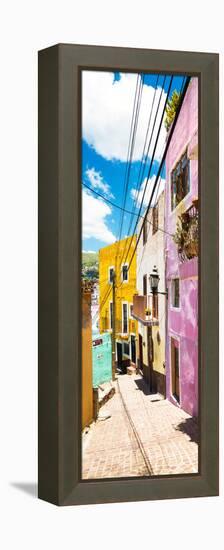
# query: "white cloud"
[[107, 113], [94, 212], [96, 180], [149, 187]]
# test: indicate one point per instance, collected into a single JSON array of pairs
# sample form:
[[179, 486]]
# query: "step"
[[131, 370]]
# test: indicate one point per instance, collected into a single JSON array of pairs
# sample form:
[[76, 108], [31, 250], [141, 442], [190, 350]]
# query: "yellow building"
[[115, 258], [87, 389]]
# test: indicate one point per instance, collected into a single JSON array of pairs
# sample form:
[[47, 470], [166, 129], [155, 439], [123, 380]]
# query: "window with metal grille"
[[145, 285], [111, 274], [175, 293], [125, 272], [125, 318], [180, 181], [155, 219], [111, 315]]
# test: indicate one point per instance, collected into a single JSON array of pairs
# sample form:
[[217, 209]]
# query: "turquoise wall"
[[102, 360]]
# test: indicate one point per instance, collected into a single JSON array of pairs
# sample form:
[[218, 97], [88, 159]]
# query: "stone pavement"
[[139, 434]]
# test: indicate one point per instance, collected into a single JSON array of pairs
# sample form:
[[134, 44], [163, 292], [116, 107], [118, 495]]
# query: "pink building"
[[181, 257]]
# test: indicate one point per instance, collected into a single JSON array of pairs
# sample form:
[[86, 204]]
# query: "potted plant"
[[148, 313], [191, 245], [186, 236]]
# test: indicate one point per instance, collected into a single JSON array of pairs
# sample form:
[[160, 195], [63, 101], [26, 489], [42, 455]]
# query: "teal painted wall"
[[102, 360]]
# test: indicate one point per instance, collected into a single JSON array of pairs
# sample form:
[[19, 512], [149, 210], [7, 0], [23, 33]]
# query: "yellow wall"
[[87, 390], [124, 292], [159, 350]]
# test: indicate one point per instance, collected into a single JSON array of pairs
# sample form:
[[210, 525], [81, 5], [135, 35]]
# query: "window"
[[111, 315], [126, 349], [125, 272], [155, 306], [144, 233], [155, 219], [124, 318], [180, 181], [175, 293], [145, 285], [111, 272]]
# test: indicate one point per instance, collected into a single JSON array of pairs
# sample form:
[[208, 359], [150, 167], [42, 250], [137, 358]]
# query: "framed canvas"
[[179, 397]]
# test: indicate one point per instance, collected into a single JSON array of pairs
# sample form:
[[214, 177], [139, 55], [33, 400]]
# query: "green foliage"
[[89, 258], [90, 265], [186, 236], [171, 108]]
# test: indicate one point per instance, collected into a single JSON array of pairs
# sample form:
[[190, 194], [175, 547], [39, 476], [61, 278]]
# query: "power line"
[[120, 207], [141, 172], [155, 184], [151, 163], [132, 136], [163, 160], [150, 167], [143, 159]]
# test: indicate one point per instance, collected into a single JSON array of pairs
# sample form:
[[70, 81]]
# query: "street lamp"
[[154, 281]]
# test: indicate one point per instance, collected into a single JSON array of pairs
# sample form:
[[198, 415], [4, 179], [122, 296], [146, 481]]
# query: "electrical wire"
[[163, 160], [120, 207], [145, 156], [132, 137], [143, 159], [151, 163]]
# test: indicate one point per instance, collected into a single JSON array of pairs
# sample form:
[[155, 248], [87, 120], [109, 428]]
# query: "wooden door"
[[133, 350], [175, 368], [140, 352], [119, 355]]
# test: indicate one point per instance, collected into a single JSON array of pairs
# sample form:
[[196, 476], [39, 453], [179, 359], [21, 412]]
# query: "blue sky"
[[107, 105]]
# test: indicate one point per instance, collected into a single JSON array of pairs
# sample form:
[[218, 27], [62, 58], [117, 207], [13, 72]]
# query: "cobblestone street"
[[138, 434]]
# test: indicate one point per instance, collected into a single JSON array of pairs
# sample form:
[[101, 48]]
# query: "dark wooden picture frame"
[[59, 381]]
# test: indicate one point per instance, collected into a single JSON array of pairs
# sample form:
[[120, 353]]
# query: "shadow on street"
[[142, 386], [189, 427]]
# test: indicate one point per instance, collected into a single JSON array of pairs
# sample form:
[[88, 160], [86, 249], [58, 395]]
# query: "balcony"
[[131, 327], [139, 309], [187, 233]]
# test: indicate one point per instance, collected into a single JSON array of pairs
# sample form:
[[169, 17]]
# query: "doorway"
[[119, 355], [175, 368], [151, 381], [133, 350], [140, 352]]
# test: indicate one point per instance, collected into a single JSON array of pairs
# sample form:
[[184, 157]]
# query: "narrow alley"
[[139, 434]]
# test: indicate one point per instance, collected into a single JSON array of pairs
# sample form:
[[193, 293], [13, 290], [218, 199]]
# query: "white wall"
[[27, 523], [149, 255]]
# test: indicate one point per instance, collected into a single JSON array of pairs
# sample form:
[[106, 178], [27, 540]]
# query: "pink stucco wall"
[[182, 322]]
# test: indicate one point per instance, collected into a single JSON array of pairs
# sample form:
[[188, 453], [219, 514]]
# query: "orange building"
[[87, 389]]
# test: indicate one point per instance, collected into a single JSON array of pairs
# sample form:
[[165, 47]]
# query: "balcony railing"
[[187, 233], [139, 311], [105, 326]]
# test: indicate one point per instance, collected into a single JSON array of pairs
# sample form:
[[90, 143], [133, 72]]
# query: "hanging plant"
[[186, 235]]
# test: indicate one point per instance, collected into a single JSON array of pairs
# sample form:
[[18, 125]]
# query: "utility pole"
[[113, 327]]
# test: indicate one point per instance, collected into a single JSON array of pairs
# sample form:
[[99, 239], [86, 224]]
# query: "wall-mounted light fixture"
[[154, 282]]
